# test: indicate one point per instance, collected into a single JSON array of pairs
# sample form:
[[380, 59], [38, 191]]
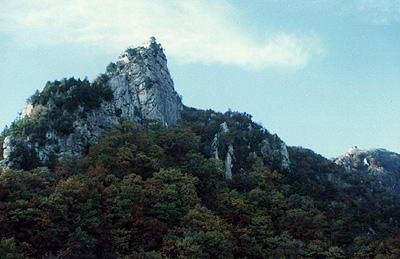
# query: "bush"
[[24, 155], [9, 250], [71, 93], [111, 68]]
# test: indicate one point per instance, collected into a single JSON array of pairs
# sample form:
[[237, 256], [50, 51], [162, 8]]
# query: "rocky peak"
[[69, 115], [372, 160], [380, 163], [142, 85]]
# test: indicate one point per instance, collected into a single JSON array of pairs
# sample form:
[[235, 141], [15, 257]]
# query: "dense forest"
[[145, 191]]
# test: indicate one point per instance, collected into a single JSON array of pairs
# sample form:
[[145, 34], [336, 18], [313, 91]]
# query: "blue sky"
[[321, 74]]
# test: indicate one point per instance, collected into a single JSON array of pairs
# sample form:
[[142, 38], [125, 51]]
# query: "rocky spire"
[[142, 88]]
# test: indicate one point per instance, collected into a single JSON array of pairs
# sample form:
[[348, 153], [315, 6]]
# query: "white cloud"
[[192, 31]]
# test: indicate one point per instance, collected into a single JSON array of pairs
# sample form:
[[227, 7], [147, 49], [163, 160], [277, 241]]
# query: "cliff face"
[[379, 163], [70, 115], [141, 88]]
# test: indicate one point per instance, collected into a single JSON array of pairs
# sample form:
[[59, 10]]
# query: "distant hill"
[[381, 163]]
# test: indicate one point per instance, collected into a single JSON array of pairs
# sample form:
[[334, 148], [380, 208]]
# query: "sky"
[[321, 74]]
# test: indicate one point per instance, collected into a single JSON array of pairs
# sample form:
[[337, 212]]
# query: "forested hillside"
[[120, 168], [146, 191]]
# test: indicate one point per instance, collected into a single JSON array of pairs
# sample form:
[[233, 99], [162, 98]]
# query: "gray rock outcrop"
[[8, 147], [142, 85], [378, 163], [276, 148], [229, 162], [142, 89], [16, 153], [229, 156]]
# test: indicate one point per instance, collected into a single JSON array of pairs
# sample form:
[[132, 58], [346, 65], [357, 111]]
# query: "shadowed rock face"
[[142, 89], [381, 163]]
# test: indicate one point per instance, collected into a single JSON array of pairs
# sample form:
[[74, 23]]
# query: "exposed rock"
[[216, 141], [142, 85], [142, 89], [379, 163], [8, 147], [277, 149], [229, 162], [229, 156], [224, 127], [27, 109], [214, 146], [15, 152]]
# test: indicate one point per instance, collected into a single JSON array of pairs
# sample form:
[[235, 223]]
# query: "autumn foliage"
[[151, 192]]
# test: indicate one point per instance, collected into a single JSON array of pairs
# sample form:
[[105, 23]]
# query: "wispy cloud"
[[381, 11], [378, 12], [192, 31]]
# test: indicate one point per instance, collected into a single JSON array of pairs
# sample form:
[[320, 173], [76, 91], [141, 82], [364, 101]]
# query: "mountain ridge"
[[65, 119], [138, 87], [121, 168], [383, 164]]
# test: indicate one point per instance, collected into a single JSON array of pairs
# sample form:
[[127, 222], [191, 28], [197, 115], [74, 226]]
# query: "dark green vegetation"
[[69, 94], [150, 192], [57, 107]]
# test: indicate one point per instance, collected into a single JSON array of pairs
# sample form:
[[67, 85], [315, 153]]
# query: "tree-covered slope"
[[149, 192], [120, 168]]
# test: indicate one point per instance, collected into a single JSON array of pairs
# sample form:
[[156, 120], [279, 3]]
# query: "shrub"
[[71, 93], [111, 68]]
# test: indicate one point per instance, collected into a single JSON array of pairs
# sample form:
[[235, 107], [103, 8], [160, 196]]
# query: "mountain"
[[381, 163], [70, 115], [120, 168]]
